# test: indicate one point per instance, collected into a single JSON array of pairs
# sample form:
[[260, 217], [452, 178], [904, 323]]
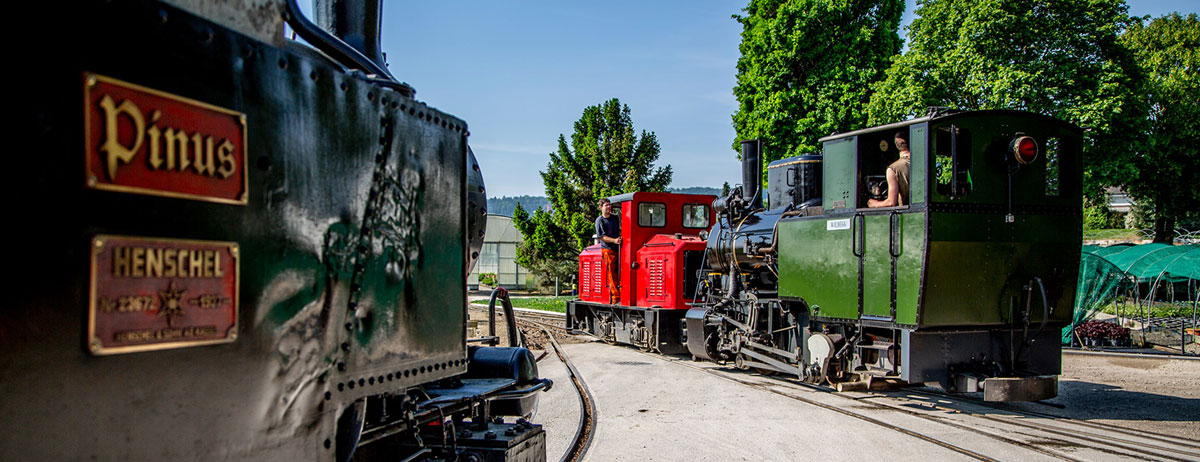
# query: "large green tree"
[[1168, 166], [806, 69], [605, 157], [1056, 57]]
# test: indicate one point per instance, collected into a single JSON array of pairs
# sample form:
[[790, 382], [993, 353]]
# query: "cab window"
[[695, 216], [652, 215], [951, 139]]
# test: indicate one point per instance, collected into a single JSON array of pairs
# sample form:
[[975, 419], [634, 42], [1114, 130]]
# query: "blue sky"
[[521, 72]]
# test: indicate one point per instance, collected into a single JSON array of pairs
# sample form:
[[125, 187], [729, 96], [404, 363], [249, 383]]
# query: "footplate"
[[1020, 388]]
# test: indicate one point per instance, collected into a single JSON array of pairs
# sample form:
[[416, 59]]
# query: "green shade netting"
[[1106, 272], [1099, 283], [1106, 251], [1161, 264]]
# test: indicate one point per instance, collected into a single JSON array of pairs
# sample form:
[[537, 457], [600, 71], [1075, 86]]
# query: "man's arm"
[[893, 197]]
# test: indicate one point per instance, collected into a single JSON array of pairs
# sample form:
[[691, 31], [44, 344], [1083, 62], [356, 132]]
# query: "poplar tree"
[[605, 157]]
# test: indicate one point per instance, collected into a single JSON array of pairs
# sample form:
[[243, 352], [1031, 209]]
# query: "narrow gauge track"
[[1065, 440], [1046, 434], [585, 432], [1111, 439]]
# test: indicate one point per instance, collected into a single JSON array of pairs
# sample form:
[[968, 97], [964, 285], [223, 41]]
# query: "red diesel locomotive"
[[663, 252]]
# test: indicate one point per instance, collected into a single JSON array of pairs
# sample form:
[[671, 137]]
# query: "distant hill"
[[696, 190], [505, 205]]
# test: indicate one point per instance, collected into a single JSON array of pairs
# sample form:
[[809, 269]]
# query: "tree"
[[605, 157], [1168, 52], [1055, 57], [807, 67]]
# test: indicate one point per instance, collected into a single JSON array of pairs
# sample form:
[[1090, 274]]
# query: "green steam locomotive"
[[964, 282]]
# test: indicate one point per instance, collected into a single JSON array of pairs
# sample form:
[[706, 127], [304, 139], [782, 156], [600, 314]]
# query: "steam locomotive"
[[231, 245], [965, 284]]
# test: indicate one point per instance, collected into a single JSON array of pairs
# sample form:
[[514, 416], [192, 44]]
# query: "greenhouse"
[[1154, 288]]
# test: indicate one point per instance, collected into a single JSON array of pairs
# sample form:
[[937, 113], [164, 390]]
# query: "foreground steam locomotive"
[[235, 246], [965, 285]]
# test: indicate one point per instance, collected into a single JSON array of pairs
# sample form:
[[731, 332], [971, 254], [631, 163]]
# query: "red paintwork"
[[141, 157], [644, 245], [660, 271]]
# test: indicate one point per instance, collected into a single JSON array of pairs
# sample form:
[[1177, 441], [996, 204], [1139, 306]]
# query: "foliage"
[[806, 69], [506, 205], [547, 249], [1101, 329], [606, 157], [487, 279], [1056, 57], [1096, 215], [1154, 310], [1167, 50]]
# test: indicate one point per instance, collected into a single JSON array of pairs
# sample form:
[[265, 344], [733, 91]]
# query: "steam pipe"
[[339, 50]]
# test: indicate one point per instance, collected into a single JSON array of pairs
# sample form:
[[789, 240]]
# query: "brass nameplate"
[[157, 293], [145, 141]]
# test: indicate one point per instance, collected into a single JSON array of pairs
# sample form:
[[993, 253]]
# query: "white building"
[[499, 254]]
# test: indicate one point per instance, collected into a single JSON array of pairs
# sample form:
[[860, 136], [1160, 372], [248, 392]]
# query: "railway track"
[[976, 428], [1047, 435], [969, 421], [551, 327]]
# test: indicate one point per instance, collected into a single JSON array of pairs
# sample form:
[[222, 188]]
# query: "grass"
[[1113, 234], [556, 304]]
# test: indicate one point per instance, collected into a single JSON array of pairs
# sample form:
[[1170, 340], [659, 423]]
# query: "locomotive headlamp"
[[1024, 149]]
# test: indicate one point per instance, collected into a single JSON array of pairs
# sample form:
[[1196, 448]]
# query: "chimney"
[[356, 22], [752, 172]]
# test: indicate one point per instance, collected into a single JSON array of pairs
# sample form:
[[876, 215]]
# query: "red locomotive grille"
[[654, 289], [586, 281], [597, 277]]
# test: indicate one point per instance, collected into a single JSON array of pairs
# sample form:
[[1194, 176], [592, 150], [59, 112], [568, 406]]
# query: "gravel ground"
[[1144, 393]]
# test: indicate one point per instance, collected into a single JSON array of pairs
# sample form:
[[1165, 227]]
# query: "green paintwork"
[[978, 264], [839, 187], [815, 265], [917, 146]]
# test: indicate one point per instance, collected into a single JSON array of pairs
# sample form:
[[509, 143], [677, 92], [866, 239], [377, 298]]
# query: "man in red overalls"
[[608, 229]]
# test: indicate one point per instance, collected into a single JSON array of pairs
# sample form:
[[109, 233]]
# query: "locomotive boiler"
[[239, 246]]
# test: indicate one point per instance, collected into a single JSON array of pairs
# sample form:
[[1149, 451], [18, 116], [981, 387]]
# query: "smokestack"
[[752, 172], [356, 22]]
